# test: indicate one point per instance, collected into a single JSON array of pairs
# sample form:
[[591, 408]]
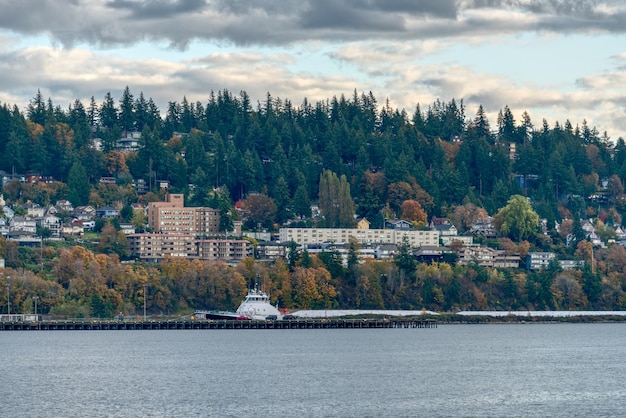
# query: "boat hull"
[[215, 315]]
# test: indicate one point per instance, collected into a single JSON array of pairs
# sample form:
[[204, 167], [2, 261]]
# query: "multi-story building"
[[488, 257], [155, 247], [306, 236], [172, 216], [224, 249], [207, 221], [536, 260]]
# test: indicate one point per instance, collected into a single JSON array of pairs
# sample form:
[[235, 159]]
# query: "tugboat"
[[256, 305]]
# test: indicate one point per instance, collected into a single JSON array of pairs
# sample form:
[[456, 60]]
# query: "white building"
[[306, 236]]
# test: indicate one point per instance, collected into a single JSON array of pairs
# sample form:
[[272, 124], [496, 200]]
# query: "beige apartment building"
[[155, 247], [172, 216], [224, 249], [305, 236]]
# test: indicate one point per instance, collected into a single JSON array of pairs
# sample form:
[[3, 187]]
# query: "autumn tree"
[[517, 219], [466, 215], [113, 241], [261, 210], [412, 211]]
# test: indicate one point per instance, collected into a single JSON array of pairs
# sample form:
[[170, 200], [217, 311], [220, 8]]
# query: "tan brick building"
[[172, 216], [155, 247]]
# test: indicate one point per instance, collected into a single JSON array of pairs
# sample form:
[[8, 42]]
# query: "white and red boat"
[[256, 305]]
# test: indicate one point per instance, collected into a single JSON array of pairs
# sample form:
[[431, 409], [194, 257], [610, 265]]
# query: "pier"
[[187, 324]]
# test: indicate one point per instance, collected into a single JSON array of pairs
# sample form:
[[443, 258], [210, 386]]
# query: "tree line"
[[351, 155]]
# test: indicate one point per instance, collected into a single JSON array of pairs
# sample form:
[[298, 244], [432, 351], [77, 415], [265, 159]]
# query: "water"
[[454, 370]]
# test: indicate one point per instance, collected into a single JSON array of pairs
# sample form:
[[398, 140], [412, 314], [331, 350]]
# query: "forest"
[[436, 161]]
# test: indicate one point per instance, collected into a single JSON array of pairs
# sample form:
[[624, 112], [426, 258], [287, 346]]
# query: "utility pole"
[[8, 296], [145, 288]]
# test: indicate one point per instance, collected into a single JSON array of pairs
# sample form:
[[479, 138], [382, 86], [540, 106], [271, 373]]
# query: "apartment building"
[[155, 247], [308, 236], [172, 216]]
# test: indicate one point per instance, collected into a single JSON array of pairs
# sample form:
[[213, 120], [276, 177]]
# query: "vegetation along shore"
[[115, 206]]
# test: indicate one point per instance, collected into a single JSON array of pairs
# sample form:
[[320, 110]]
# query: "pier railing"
[[308, 323]]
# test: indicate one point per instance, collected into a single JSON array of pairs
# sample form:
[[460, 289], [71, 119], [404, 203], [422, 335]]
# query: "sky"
[[555, 59]]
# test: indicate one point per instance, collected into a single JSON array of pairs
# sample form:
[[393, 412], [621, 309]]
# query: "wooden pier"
[[106, 325]]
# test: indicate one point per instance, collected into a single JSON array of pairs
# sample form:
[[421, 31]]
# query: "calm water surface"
[[454, 370]]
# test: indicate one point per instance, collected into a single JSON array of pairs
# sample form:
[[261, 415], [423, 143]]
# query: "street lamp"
[[145, 287], [35, 300]]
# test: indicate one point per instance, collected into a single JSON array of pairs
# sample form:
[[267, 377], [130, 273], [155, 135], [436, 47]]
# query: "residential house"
[[466, 241], [74, 228], [64, 206], [571, 264], [398, 225], [488, 257], [84, 213], [24, 229], [8, 212], [484, 227], [34, 210], [447, 230], [271, 251], [4, 227], [24, 224], [130, 142], [385, 251], [107, 212], [127, 228], [536, 260], [52, 223], [363, 223]]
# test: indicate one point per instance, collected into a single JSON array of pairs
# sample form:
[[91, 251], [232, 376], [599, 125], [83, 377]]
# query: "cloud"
[[158, 9], [106, 23]]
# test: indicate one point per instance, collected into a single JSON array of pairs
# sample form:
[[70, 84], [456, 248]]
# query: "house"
[[385, 251], [466, 241], [23, 224], [363, 223], [488, 257], [398, 225], [429, 254], [52, 223], [74, 228], [438, 221], [34, 210], [131, 142], [64, 206], [84, 213], [108, 180], [107, 212], [4, 227], [8, 212], [571, 264], [127, 228], [271, 251], [485, 228], [445, 230], [536, 260]]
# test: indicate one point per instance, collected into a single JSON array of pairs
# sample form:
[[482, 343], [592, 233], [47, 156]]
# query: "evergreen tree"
[[335, 201], [78, 185]]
